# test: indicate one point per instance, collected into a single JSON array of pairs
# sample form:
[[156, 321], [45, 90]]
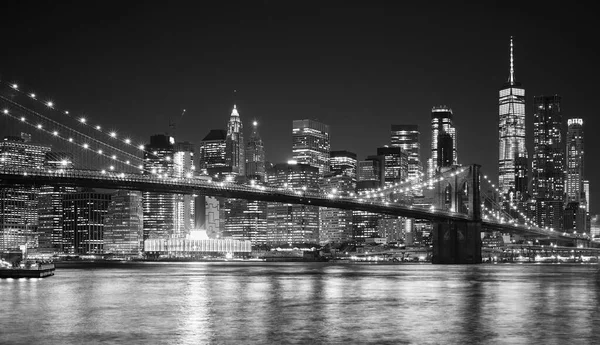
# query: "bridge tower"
[[458, 241]]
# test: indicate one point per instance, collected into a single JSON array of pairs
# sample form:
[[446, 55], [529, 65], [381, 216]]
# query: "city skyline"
[[387, 83]]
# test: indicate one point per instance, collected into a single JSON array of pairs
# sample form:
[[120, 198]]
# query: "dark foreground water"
[[278, 303]]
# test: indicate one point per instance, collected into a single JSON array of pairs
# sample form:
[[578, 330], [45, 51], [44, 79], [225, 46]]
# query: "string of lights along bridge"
[[320, 191]]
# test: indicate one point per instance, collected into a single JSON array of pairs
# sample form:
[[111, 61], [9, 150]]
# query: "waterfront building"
[[255, 156], [310, 144], [159, 208], [548, 161], [18, 203], [184, 217], [335, 225], [407, 138], [289, 223], [213, 161], [235, 149], [441, 122], [84, 215], [511, 130], [123, 228], [364, 224]]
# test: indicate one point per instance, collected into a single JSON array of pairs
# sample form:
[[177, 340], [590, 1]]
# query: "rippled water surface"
[[321, 303]]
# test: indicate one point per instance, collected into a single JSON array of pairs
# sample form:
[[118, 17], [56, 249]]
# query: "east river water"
[[304, 303]]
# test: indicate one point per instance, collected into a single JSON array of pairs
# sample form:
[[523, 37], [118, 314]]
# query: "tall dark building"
[[407, 137], [548, 161], [445, 150], [84, 214], [255, 155]]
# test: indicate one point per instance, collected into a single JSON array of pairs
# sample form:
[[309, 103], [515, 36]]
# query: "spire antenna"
[[511, 79]]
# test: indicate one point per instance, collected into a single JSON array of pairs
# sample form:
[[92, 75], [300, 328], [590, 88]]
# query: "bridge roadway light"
[[5, 111], [22, 119], [82, 120], [15, 86], [50, 104]]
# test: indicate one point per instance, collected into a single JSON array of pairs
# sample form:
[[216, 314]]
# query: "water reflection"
[[274, 303]]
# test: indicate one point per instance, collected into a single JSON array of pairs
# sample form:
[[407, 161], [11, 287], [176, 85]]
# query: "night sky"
[[358, 68]]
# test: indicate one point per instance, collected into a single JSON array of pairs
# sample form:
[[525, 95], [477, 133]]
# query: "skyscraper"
[[287, 223], [395, 164], [548, 161], [255, 155], [123, 228], [183, 166], [235, 151], [344, 163], [83, 224], [159, 208], [18, 203], [213, 160], [441, 122], [310, 144], [575, 149], [407, 137], [511, 129]]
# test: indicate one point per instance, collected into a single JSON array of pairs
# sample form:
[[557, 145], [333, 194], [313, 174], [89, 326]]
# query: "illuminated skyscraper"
[[255, 155], [288, 223], [18, 203], [441, 122], [343, 163], [395, 164], [310, 144], [159, 208], [183, 166], [548, 161], [511, 129], [213, 159], [235, 151], [407, 137], [123, 228], [575, 149]]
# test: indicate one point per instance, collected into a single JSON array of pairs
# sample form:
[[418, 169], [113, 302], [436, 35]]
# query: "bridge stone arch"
[[454, 241], [465, 195]]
